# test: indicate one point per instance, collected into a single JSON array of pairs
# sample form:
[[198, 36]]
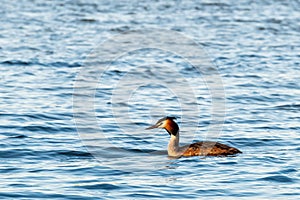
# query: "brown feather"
[[208, 148], [171, 127]]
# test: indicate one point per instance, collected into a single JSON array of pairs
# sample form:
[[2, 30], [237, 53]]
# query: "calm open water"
[[43, 47]]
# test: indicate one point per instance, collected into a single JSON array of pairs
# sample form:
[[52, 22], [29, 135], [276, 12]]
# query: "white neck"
[[173, 148]]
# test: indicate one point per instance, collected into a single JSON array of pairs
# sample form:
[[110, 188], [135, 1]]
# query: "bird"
[[204, 148]]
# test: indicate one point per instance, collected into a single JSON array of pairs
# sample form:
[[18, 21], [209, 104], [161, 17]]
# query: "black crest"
[[170, 117], [165, 118]]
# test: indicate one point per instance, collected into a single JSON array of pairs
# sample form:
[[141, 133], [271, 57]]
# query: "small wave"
[[8, 170], [38, 195], [120, 29], [13, 135], [287, 171], [30, 63], [74, 153], [103, 186], [278, 178], [47, 129], [217, 4], [257, 142], [43, 116], [88, 20], [291, 107], [64, 64], [30, 116], [20, 136], [18, 153], [16, 62]]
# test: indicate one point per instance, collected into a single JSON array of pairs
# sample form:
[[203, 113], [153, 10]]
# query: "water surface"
[[43, 46]]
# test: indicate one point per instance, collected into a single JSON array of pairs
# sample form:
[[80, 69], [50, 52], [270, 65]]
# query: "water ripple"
[[43, 47]]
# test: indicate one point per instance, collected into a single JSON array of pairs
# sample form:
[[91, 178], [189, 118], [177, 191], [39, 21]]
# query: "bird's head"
[[166, 123]]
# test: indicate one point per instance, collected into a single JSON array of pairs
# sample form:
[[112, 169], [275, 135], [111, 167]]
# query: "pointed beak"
[[151, 127]]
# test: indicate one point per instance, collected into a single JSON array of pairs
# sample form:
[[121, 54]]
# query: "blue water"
[[45, 44]]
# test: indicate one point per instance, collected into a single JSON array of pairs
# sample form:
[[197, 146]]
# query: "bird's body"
[[205, 148]]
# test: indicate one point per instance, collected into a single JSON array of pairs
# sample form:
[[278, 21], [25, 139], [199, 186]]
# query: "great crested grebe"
[[205, 148]]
